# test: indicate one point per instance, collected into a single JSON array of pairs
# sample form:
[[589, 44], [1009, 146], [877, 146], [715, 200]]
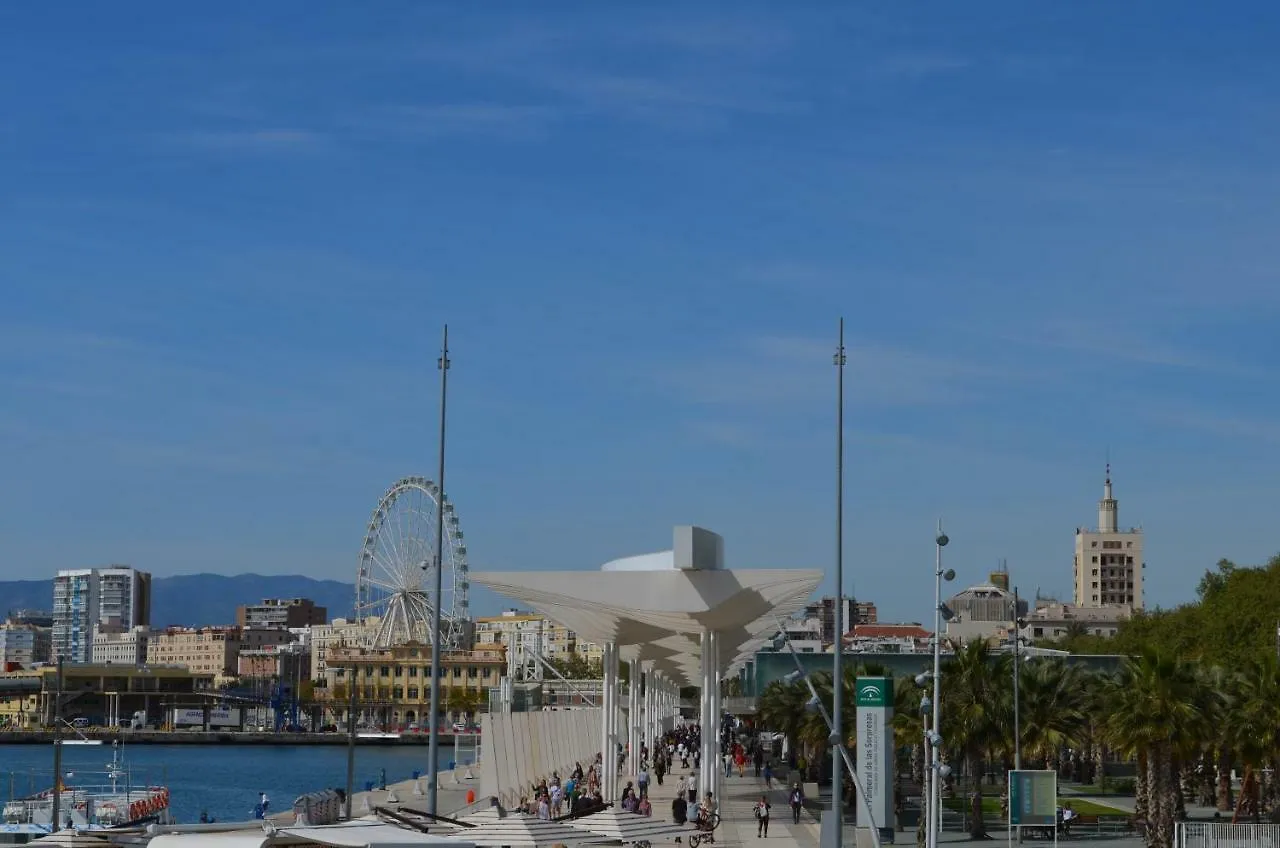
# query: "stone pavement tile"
[[738, 822]]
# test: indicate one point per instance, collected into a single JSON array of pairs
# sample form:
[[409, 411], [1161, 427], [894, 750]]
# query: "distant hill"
[[196, 599]]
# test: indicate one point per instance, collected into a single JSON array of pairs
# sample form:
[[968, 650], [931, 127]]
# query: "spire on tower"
[[1108, 507]]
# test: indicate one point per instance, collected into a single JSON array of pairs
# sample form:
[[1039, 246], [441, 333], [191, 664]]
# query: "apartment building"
[[1108, 570], [514, 627], [340, 633], [281, 612], [115, 644], [202, 650], [23, 645], [84, 597]]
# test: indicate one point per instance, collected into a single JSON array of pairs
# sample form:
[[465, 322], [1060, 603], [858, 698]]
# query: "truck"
[[220, 719]]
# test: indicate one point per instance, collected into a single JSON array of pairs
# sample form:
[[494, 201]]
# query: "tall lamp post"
[[934, 737], [433, 746], [837, 722], [1018, 624], [57, 751]]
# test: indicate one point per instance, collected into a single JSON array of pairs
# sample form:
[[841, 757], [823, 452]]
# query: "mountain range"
[[193, 600]]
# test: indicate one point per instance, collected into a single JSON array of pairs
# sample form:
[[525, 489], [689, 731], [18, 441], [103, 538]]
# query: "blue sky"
[[230, 238]]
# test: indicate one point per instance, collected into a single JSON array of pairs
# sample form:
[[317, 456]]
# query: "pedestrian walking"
[[762, 817]]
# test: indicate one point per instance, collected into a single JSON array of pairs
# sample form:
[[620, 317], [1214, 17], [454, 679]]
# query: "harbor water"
[[221, 780]]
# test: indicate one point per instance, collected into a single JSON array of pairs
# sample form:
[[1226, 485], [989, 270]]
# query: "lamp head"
[[812, 704], [944, 770], [923, 677], [792, 676], [949, 575], [942, 540]]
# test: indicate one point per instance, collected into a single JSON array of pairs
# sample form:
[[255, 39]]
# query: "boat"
[[376, 734], [80, 739], [88, 801]]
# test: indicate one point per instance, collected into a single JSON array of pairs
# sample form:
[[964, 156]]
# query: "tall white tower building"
[[1108, 562], [82, 597]]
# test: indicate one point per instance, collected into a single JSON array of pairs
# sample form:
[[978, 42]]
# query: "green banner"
[[1033, 798]]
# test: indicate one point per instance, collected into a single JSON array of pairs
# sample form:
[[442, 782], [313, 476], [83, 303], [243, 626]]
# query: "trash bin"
[[368, 786], [452, 765], [416, 774]]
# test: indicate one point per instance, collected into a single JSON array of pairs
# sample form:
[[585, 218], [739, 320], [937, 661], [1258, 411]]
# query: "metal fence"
[[1221, 835]]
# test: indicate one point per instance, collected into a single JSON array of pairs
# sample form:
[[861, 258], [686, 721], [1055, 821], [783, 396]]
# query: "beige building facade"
[[1109, 561], [514, 627], [115, 644], [339, 633]]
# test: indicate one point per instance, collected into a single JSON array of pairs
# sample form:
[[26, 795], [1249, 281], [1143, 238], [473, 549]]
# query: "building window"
[[413, 693], [384, 671], [399, 671], [413, 671]]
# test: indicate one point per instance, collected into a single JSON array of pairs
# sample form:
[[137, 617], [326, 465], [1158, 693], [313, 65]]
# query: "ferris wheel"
[[397, 568]]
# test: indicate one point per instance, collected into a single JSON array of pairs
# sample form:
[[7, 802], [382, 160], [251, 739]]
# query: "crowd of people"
[[676, 757]]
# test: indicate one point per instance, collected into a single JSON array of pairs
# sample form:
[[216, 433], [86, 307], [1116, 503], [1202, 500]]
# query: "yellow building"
[[394, 684]]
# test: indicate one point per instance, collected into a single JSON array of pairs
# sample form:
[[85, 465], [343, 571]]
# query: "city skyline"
[[232, 238]]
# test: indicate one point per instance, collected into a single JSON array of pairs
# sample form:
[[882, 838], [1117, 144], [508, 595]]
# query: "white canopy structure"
[[679, 613]]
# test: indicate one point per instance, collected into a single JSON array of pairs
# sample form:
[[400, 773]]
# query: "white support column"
[[707, 764], [717, 781], [647, 731], [608, 748], [633, 716], [615, 719]]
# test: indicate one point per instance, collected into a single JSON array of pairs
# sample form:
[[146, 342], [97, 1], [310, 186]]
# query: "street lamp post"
[[1017, 661], [433, 740], [57, 751], [837, 720], [935, 735]]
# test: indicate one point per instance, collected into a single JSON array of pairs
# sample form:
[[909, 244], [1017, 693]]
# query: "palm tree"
[[1255, 717], [976, 702], [1156, 712], [782, 709], [1052, 711]]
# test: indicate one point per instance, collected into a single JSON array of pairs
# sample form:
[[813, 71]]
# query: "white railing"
[[1222, 835]]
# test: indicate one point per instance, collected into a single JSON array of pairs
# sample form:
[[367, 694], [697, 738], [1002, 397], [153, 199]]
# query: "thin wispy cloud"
[[1128, 344], [776, 371], [489, 119], [917, 65], [1226, 426], [259, 141]]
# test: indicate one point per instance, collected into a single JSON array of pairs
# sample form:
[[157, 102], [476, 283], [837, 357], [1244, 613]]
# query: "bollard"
[[471, 796], [392, 798], [417, 788]]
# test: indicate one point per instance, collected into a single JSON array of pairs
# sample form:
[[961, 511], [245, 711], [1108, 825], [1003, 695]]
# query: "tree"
[[1156, 713], [1052, 712], [577, 667], [976, 712]]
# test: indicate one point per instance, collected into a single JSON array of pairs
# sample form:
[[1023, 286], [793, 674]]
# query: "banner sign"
[[1033, 798], [875, 752]]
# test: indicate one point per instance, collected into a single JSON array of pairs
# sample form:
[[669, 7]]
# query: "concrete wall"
[[519, 749]]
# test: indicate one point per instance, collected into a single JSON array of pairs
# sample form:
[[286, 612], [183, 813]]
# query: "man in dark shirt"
[[680, 809]]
